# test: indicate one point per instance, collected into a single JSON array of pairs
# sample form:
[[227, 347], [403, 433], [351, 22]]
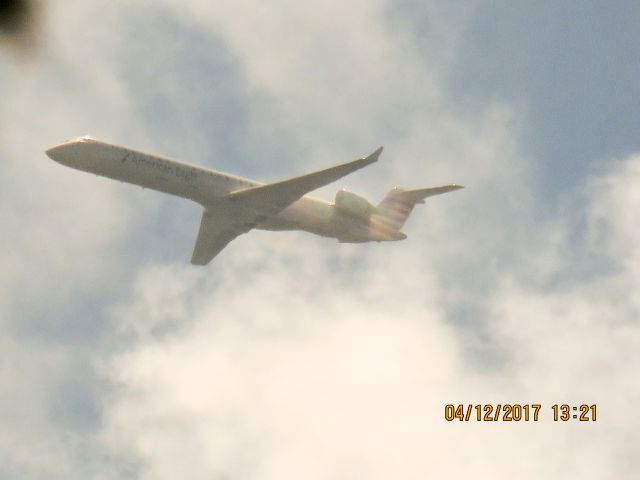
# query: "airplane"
[[234, 205]]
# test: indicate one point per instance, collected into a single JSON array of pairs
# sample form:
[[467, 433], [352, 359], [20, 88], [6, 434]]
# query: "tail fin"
[[396, 207]]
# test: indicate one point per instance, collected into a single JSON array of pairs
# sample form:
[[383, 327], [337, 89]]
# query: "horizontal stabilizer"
[[419, 194], [396, 207]]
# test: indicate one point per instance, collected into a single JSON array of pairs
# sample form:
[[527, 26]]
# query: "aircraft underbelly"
[[306, 214], [152, 172]]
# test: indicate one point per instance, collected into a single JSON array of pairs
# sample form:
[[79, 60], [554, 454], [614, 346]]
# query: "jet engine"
[[353, 204]]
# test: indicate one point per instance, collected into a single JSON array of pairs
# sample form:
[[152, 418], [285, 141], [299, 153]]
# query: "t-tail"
[[391, 214]]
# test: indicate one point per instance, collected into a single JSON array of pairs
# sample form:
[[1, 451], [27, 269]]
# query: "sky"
[[290, 355]]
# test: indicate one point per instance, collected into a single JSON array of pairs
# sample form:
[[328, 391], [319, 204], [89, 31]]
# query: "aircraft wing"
[[242, 210], [217, 228], [272, 198]]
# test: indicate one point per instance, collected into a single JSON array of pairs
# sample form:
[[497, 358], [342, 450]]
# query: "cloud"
[[59, 251], [293, 356], [279, 369], [265, 376], [327, 385]]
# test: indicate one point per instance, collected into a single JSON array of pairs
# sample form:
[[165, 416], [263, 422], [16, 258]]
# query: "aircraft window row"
[[228, 179]]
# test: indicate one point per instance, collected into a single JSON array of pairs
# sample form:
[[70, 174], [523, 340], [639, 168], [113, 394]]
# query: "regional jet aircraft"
[[234, 205]]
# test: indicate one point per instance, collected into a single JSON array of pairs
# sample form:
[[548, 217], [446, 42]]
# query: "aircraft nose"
[[69, 152], [53, 152], [58, 153]]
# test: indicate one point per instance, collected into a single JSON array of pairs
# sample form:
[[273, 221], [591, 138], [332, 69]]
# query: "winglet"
[[374, 156]]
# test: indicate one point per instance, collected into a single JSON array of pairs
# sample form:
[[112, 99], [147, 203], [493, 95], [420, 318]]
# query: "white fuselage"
[[202, 185]]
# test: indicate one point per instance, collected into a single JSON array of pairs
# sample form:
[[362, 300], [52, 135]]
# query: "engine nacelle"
[[353, 204]]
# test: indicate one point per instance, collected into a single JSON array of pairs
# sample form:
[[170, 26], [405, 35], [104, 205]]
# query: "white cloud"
[[293, 356], [274, 377], [59, 240], [287, 377]]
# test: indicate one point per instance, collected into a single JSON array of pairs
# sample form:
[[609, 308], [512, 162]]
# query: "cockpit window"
[[84, 138]]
